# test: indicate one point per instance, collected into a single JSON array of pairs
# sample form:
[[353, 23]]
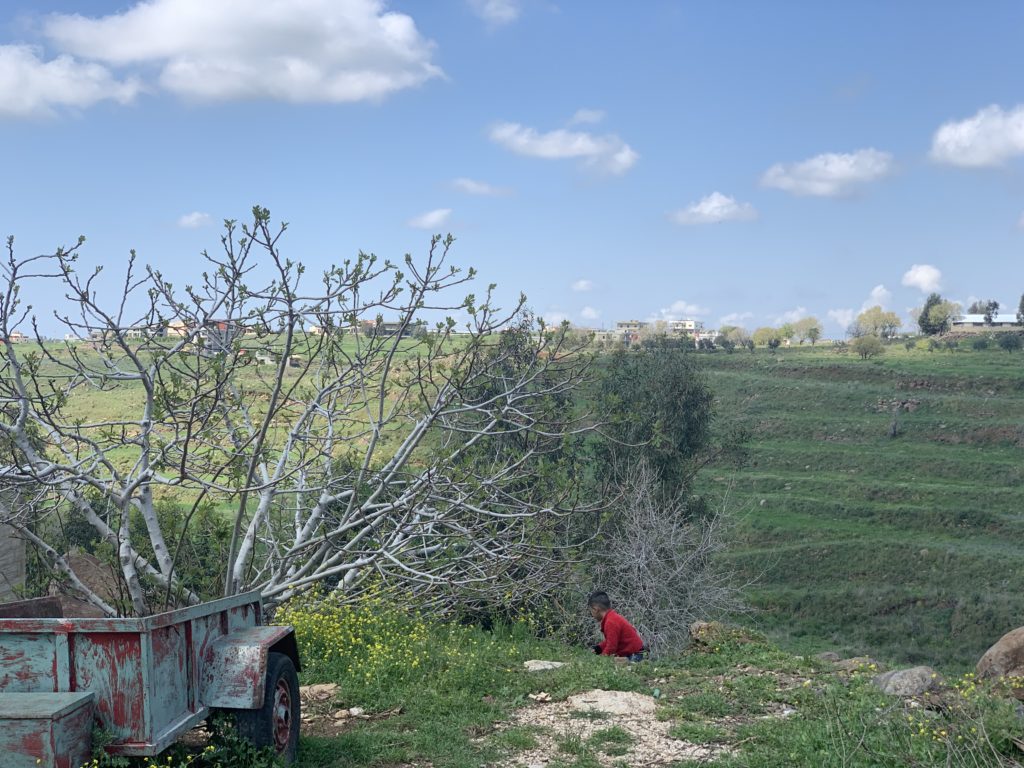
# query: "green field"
[[910, 547]]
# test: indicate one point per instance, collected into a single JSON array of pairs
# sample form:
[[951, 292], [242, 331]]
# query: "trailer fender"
[[234, 668]]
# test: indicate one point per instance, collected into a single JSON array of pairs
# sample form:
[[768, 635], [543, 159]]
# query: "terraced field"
[[910, 547]]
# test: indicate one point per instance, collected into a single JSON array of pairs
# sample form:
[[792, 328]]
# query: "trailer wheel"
[[276, 723]]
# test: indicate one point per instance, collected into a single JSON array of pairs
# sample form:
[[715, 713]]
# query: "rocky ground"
[[619, 727]]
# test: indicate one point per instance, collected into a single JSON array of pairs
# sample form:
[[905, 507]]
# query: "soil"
[[580, 716]]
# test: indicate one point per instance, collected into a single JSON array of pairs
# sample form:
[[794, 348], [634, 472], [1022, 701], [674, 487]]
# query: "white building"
[[1002, 320]]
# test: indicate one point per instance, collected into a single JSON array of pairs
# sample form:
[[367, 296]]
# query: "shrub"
[[868, 346], [662, 563], [1010, 342], [981, 343], [377, 648]]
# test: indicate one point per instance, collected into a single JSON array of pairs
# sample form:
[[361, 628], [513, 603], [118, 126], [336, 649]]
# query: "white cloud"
[[879, 297], [924, 277], [194, 220], [32, 87], [791, 316], [589, 313], [480, 188], [608, 153], [496, 12], [830, 174], [713, 209], [555, 317], [431, 219], [842, 317], [583, 285], [989, 138], [735, 318], [308, 51], [587, 116], [681, 310]]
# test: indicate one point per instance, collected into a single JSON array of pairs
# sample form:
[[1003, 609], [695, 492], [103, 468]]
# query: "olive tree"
[[868, 346]]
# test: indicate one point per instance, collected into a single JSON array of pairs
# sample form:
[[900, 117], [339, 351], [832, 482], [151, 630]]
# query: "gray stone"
[[907, 682], [536, 665], [829, 656]]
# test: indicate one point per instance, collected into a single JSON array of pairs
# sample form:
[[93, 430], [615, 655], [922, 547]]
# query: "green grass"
[[765, 706], [907, 548]]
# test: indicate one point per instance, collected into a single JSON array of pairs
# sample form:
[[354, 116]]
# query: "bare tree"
[[661, 566], [360, 453]]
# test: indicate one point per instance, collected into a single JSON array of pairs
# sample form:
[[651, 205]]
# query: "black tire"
[[276, 723]]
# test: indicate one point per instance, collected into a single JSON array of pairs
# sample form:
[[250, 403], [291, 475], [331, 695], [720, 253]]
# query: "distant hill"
[[908, 547]]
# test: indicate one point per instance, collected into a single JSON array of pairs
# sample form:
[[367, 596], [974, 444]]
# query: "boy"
[[620, 639]]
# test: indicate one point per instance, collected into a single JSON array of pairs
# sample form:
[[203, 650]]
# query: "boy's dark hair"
[[599, 600]]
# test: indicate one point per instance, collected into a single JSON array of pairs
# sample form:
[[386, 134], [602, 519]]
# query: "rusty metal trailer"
[[144, 681]]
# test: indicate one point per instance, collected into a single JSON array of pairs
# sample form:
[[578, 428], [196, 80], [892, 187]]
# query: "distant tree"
[[762, 336], [868, 346], [924, 318], [737, 334], [943, 314], [787, 331], [855, 330], [909, 344], [807, 328], [877, 322], [1020, 311], [774, 342], [725, 343], [1011, 342], [991, 310], [749, 344], [937, 315], [977, 307]]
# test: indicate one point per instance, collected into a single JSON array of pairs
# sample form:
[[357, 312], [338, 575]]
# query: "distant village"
[[216, 336], [630, 332]]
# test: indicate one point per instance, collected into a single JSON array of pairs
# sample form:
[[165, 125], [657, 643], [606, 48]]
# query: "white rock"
[[907, 682], [536, 665]]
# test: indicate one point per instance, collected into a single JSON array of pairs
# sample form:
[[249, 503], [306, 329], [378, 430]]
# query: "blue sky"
[[739, 161]]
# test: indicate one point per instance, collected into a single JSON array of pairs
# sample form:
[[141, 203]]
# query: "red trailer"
[[145, 681]]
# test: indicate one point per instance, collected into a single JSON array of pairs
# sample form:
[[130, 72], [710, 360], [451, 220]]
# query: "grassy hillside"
[[909, 547], [440, 695]]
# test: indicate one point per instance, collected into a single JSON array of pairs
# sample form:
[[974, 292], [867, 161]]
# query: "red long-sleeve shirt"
[[620, 639]]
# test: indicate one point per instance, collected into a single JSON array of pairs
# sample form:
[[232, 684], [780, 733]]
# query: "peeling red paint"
[[32, 744], [153, 677]]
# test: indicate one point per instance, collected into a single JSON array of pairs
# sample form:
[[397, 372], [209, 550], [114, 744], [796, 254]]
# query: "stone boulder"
[[537, 665], [907, 682], [830, 656], [1005, 658]]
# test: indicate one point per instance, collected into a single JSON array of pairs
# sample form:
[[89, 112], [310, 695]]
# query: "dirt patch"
[[324, 715], [580, 720]]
